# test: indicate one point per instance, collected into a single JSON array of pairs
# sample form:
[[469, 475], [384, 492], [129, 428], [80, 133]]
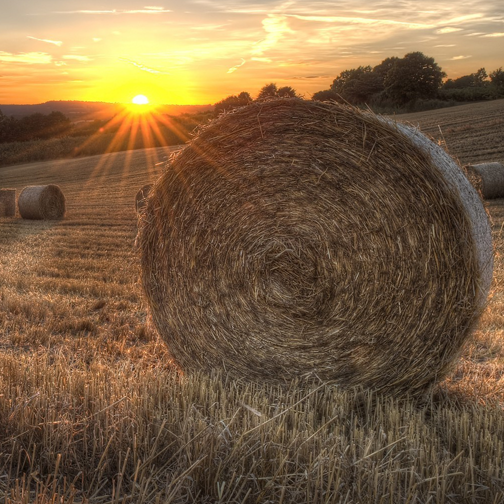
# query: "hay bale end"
[[43, 202], [488, 178], [294, 239]]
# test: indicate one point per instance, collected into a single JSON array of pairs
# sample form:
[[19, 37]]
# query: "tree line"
[[33, 127], [414, 82], [400, 83]]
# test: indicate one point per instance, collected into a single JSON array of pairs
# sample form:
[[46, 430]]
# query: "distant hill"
[[82, 110]]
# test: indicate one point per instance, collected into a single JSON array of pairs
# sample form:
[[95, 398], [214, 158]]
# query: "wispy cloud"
[[448, 29], [456, 58], [463, 19], [55, 42], [445, 45], [233, 69], [76, 57], [363, 20], [143, 67], [96, 39], [209, 27], [499, 34], [261, 60], [276, 27], [31, 58], [146, 10]]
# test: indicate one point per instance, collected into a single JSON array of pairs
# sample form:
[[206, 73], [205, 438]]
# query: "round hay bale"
[[7, 202], [141, 197], [294, 239], [45, 202], [488, 178]]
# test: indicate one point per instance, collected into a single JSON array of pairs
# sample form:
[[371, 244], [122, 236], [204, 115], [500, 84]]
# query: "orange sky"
[[200, 51]]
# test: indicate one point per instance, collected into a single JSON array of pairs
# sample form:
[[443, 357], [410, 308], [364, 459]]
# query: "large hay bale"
[[141, 197], [488, 179], [41, 202], [7, 202], [296, 239]]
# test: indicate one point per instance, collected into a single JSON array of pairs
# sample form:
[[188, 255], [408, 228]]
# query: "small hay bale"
[[7, 202], [45, 202], [488, 178], [141, 197], [296, 239]]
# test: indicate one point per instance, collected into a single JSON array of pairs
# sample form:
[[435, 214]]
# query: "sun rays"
[[138, 126]]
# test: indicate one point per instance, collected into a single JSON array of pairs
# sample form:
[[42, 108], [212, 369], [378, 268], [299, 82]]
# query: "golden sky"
[[200, 51]]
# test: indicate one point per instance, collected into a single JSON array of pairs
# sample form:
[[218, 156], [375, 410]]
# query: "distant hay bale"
[[41, 202], [141, 197], [488, 178], [294, 239], [7, 202]]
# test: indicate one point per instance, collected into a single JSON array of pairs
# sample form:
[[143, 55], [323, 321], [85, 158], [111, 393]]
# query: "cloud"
[[275, 27], [146, 10], [499, 34], [97, 39], [143, 67], [60, 63], [448, 29], [445, 45], [456, 58], [209, 27], [363, 20], [55, 42], [261, 60], [233, 69], [462, 19], [76, 57], [32, 58]]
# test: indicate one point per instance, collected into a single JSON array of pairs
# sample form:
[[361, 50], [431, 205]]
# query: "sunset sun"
[[140, 100]]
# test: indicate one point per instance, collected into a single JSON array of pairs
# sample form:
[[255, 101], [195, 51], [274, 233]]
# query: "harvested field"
[[93, 411], [472, 133]]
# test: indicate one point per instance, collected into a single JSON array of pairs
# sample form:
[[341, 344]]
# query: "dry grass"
[[93, 411], [7, 202]]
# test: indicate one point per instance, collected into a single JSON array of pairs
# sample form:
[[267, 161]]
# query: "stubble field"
[[92, 409]]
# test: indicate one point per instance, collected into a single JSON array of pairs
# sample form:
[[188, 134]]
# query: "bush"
[[468, 94]]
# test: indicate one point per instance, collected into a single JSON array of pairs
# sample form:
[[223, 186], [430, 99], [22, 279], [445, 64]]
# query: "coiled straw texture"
[[303, 240], [44, 202]]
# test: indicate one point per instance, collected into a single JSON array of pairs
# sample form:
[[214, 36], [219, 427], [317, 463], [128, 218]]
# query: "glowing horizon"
[[202, 51], [140, 100]]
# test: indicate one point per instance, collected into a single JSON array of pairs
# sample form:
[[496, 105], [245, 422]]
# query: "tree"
[[480, 77], [272, 91], [286, 92], [232, 102], [384, 67], [497, 79], [477, 79], [326, 95], [412, 77], [357, 85], [268, 91]]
